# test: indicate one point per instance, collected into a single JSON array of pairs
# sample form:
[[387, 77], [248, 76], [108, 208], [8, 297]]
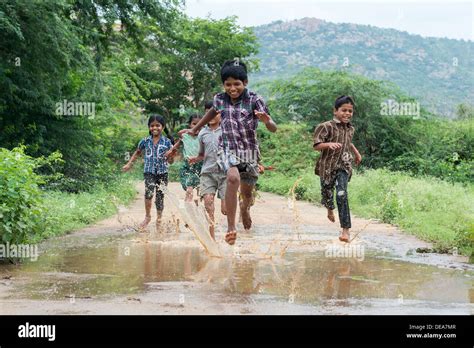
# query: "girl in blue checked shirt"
[[157, 156]]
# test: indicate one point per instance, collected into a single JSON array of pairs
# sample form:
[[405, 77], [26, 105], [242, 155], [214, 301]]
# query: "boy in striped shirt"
[[334, 166]]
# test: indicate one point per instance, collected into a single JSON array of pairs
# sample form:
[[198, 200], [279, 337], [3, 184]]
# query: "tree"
[[55, 50], [207, 44], [187, 65], [119, 57], [309, 97]]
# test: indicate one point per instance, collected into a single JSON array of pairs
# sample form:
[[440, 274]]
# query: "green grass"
[[173, 171], [429, 208], [66, 212]]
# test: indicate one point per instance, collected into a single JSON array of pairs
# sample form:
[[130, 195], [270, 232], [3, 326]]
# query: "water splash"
[[197, 220]]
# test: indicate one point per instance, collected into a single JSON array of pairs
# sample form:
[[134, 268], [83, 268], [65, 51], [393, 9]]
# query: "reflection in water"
[[125, 266], [338, 284], [168, 261]]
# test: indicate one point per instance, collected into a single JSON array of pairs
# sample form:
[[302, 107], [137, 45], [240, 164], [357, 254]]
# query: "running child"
[[189, 172], [239, 154], [157, 156], [213, 178], [334, 166]]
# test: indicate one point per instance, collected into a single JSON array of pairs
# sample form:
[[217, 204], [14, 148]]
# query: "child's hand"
[[262, 116], [170, 154], [193, 160], [186, 131], [262, 168], [334, 146], [126, 167], [357, 159]]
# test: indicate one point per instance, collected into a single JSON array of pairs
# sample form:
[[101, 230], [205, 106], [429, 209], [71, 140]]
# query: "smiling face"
[[234, 88], [155, 128], [344, 112]]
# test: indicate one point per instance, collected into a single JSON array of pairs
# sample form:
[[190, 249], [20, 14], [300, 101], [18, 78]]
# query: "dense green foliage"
[[20, 197], [65, 211], [29, 213], [121, 57], [439, 71], [420, 143]]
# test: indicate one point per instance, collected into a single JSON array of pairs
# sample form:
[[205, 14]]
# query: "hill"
[[438, 71]]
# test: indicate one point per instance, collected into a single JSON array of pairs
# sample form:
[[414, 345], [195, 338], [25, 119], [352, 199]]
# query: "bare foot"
[[345, 235], [189, 195], [145, 222], [158, 225], [230, 237], [246, 219], [331, 215]]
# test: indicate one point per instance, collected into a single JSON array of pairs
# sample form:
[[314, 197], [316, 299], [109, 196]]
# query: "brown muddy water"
[[277, 268]]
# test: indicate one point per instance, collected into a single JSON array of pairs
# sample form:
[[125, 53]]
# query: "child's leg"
[[161, 183], [221, 189], [189, 194], [327, 197], [223, 207], [246, 193], [197, 196], [195, 179], [146, 221], [233, 182], [248, 181], [149, 189], [189, 176], [342, 179], [209, 205], [185, 180]]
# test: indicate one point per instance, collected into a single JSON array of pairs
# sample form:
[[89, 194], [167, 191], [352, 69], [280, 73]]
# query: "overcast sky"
[[453, 20]]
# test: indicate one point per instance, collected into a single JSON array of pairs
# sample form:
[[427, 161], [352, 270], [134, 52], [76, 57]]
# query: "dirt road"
[[291, 262]]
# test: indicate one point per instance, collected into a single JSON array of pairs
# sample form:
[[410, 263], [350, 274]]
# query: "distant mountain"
[[440, 72]]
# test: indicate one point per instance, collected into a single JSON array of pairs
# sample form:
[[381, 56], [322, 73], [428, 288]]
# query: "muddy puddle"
[[290, 263], [308, 275]]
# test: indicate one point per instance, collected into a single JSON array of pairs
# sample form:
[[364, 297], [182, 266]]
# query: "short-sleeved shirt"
[[190, 146], [239, 122], [330, 161], [209, 145], [154, 154]]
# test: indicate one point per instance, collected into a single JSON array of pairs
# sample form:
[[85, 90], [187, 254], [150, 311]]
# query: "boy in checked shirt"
[[239, 154]]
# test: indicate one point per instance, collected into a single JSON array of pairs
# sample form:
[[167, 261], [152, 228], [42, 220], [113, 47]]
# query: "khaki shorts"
[[212, 182]]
